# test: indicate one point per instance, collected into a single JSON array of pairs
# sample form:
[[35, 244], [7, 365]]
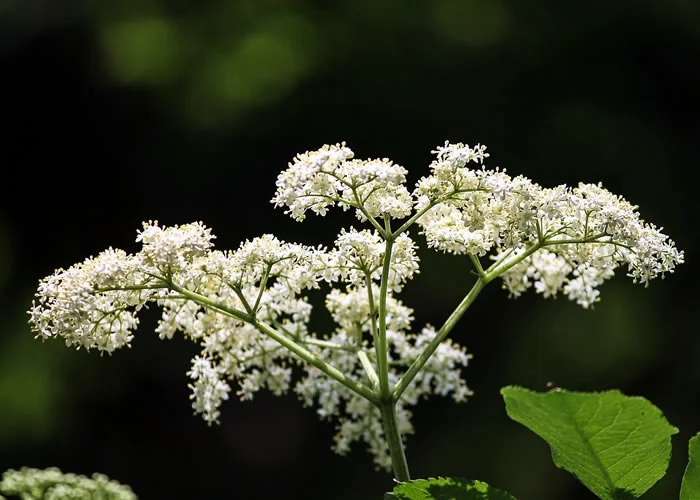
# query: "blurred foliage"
[[31, 397], [119, 112]]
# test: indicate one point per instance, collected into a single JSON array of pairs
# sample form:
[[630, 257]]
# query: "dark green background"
[[118, 112]]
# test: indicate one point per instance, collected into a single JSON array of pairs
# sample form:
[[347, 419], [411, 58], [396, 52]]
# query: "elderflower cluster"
[[249, 309], [585, 232], [319, 179], [359, 255], [93, 304], [52, 484], [262, 279]]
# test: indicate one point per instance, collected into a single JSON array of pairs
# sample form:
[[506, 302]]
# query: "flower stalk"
[[399, 464]]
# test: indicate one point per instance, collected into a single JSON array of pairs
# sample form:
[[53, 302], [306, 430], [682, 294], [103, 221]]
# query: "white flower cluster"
[[261, 280], [587, 231], [248, 308], [94, 304], [169, 250], [359, 256], [319, 179], [52, 484], [68, 306]]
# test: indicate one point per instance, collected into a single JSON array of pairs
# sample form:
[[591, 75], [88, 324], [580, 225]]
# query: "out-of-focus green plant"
[[52, 484]]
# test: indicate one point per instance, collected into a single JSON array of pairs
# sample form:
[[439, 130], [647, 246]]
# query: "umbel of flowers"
[[248, 308]]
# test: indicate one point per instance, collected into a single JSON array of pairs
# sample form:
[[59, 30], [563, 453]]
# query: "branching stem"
[[285, 341]]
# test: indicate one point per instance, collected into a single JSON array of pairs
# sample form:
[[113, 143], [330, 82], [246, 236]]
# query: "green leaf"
[[690, 487], [446, 488], [617, 446]]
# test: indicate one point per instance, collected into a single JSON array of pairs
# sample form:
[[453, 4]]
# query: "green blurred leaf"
[[252, 69], [446, 488], [617, 446], [475, 23], [143, 50], [690, 487], [33, 384]]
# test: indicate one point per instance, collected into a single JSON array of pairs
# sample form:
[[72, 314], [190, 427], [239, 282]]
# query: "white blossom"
[[359, 255], [584, 232], [241, 306], [171, 249], [587, 233], [320, 179], [68, 305]]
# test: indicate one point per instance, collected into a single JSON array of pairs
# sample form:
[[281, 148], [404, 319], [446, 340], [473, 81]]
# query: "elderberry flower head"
[[318, 179], [69, 306], [559, 239], [249, 309], [562, 239], [94, 304], [360, 254]]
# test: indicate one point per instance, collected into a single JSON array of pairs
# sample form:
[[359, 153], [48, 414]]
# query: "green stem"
[[311, 358], [446, 328], [285, 341], [369, 369], [361, 207], [477, 264], [501, 266], [485, 276], [263, 285], [393, 439], [381, 347], [328, 345], [415, 217]]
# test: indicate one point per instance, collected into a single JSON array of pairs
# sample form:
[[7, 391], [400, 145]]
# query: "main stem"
[[387, 403], [387, 408], [382, 347]]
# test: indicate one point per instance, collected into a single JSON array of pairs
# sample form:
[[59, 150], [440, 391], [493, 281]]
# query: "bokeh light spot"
[[475, 23], [143, 50]]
